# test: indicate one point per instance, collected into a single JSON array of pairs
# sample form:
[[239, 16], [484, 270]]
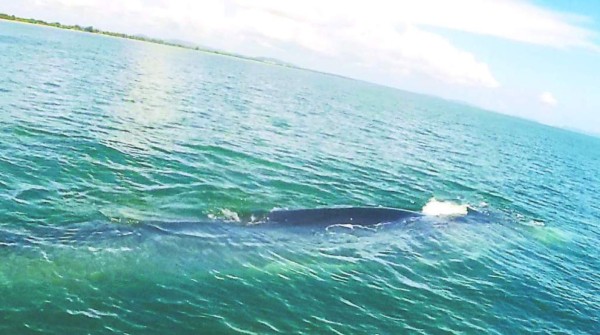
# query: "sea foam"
[[444, 208]]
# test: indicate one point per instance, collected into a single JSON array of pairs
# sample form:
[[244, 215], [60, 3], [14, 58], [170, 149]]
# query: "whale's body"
[[95, 232], [347, 215]]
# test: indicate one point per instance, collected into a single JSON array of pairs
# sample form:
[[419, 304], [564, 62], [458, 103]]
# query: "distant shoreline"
[[92, 30]]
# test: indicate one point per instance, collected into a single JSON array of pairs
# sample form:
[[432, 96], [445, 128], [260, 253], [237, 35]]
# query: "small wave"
[[532, 222], [444, 208]]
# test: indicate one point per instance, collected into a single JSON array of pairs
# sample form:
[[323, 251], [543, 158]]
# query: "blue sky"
[[533, 59]]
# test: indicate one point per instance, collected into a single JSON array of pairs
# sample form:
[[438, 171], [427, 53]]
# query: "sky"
[[536, 59]]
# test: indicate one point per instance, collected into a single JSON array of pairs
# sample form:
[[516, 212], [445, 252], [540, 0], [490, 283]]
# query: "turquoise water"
[[125, 166]]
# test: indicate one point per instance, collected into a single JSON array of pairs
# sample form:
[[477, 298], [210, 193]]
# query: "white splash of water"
[[537, 223], [444, 208], [230, 215]]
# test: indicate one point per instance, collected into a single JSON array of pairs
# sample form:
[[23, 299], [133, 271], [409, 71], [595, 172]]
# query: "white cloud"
[[508, 19], [390, 35], [410, 49], [548, 99]]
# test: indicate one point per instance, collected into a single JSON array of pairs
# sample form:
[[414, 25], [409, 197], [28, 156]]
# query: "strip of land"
[[92, 30]]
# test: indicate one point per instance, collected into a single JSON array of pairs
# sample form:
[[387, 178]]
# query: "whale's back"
[[332, 216]]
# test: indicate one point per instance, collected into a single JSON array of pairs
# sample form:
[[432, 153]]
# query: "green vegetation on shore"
[[90, 29]]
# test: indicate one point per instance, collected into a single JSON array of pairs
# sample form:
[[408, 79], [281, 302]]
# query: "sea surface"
[[132, 175]]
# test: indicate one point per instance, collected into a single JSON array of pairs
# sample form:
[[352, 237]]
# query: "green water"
[[124, 166]]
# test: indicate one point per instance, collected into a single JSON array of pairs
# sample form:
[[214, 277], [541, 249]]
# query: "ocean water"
[[131, 175]]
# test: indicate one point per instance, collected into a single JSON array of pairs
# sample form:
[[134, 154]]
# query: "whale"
[[365, 216], [95, 232]]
